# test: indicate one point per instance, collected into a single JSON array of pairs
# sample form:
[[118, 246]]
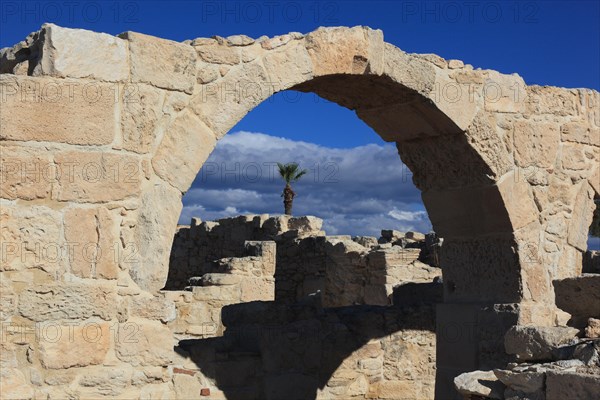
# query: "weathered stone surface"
[[105, 382], [504, 93], [66, 110], [535, 343], [190, 133], [97, 177], [569, 385], [345, 50], [526, 382], [579, 296], [454, 64], [583, 211], [137, 343], [75, 346], [240, 40], [26, 173], [223, 103], [93, 235], [152, 307], [479, 383], [593, 328], [289, 67], [218, 54], [14, 385], [179, 73], [31, 238], [65, 53], [61, 301], [580, 132], [186, 387], [155, 227], [536, 144], [142, 110]]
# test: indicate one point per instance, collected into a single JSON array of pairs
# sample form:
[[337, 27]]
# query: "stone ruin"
[[102, 135], [305, 300]]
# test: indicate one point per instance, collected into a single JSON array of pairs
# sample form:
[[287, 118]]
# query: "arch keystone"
[[342, 50]]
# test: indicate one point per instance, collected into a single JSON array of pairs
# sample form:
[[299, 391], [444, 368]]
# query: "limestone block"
[[593, 328], [459, 100], [288, 67], [504, 93], [345, 50], [26, 173], [185, 147], [161, 63], [67, 301], [218, 54], [65, 110], [280, 40], [551, 100], [14, 385], [229, 293], [487, 141], [186, 387], [240, 40], [77, 346], [526, 381], [504, 207], [434, 59], [389, 389], [479, 383], [80, 53], [571, 385], [153, 236], [455, 64], [580, 132], [531, 343], [8, 307], [93, 235], [535, 144], [223, 103], [581, 218], [31, 238], [142, 111], [253, 289], [137, 339], [96, 176], [106, 381], [152, 307], [579, 296]]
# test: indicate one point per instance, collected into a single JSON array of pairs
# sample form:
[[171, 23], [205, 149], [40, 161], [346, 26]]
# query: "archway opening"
[[373, 247]]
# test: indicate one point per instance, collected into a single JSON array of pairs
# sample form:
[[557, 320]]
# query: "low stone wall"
[[230, 281], [198, 245], [277, 351], [344, 270]]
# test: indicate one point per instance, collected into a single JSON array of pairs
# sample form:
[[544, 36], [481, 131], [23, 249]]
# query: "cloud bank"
[[357, 191]]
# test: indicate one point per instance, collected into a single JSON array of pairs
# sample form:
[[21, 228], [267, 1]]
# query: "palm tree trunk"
[[288, 199]]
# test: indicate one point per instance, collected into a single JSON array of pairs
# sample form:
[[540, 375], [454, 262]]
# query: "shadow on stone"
[[272, 350]]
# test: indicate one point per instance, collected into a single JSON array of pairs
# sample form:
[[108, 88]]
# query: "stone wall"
[[277, 351], [344, 271], [102, 135]]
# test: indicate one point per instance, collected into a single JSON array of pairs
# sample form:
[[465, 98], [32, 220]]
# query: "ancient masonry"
[[101, 135]]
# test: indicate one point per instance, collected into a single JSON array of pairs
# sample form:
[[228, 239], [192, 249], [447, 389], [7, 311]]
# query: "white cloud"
[[358, 190]]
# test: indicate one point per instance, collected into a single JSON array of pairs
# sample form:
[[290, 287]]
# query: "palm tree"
[[290, 173]]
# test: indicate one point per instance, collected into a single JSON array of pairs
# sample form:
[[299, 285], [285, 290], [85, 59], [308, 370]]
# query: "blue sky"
[[546, 42]]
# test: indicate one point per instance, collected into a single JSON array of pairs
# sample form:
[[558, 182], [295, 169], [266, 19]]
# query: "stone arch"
[[508, 171]]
